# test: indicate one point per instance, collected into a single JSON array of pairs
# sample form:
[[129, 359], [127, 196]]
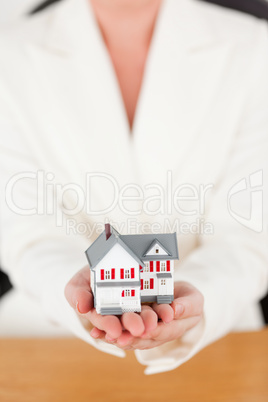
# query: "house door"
[[109, 297], [162, 286]]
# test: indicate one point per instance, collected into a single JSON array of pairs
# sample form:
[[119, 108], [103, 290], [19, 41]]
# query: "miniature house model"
[[127, 270]]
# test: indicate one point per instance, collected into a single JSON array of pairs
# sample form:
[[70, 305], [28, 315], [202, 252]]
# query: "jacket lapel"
[[172, 106], [102, 143]]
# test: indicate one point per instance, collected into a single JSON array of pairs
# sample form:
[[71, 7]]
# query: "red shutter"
[[141, 284], [133, 292], [168, 265], [141, 268], [113, 273], [121, 273], [102, 274], [157, 266], [123, 293], [151, 266], [132, 273], [151, 283]]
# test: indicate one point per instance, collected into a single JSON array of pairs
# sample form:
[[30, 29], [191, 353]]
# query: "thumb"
[[78, 293], [189, 302], [83, 300]]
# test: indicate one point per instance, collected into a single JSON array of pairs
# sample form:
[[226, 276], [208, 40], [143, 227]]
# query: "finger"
[[109, 339], [140, 344], [97, 333], [175, 329], [164, 311], [125, 339], [165, 333], [110, 324], [78, 292], [84, 300], [133, 323], [189, 303], [149, 318], [80, 298]]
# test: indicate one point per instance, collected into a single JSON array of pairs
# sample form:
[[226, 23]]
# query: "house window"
[[163, 282], [107, 275], [163, 266], [157, 250], [146, 268], [146, 284], [128, 293], [127, 274]]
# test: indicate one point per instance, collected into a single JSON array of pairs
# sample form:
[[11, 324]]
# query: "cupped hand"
[[162, 322], [152, 327], [79, 295]]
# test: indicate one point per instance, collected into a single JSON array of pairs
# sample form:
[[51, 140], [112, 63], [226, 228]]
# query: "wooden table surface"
[[234, 369]]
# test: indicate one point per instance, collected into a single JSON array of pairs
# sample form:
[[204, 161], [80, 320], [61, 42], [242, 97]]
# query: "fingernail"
[[94, 334], [168, 321], [110, 339], [122, 342], [179, 309], [77, 308]]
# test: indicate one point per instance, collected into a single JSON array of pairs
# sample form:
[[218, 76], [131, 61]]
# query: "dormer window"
[[156, 248]]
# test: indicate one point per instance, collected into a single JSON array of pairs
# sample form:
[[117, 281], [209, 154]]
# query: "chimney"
[[107, 230]]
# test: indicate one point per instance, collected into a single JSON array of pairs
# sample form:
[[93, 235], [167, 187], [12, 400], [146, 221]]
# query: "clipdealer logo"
[[101, 195], [49, 197], [248, 190]]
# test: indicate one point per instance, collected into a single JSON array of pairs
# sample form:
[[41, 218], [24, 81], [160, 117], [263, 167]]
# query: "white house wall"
[[108, 292], [157, 288], [112, 297], [117, 258], [115, 294]]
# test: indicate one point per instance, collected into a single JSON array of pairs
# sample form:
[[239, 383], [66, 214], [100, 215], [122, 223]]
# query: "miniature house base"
[[127, 270]]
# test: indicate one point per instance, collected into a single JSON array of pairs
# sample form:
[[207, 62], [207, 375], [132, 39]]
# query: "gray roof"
[[141, 243], [135, 245], [156, 241]]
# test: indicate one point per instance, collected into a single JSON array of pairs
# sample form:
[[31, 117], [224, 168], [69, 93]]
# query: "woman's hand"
[[79, 295], [152, 327], [162, 322]]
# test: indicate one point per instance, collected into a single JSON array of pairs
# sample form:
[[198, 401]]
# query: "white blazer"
[[200, 131]]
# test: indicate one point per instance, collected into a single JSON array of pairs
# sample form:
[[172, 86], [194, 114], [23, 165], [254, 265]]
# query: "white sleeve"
[[230, 267], [38, 255]]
